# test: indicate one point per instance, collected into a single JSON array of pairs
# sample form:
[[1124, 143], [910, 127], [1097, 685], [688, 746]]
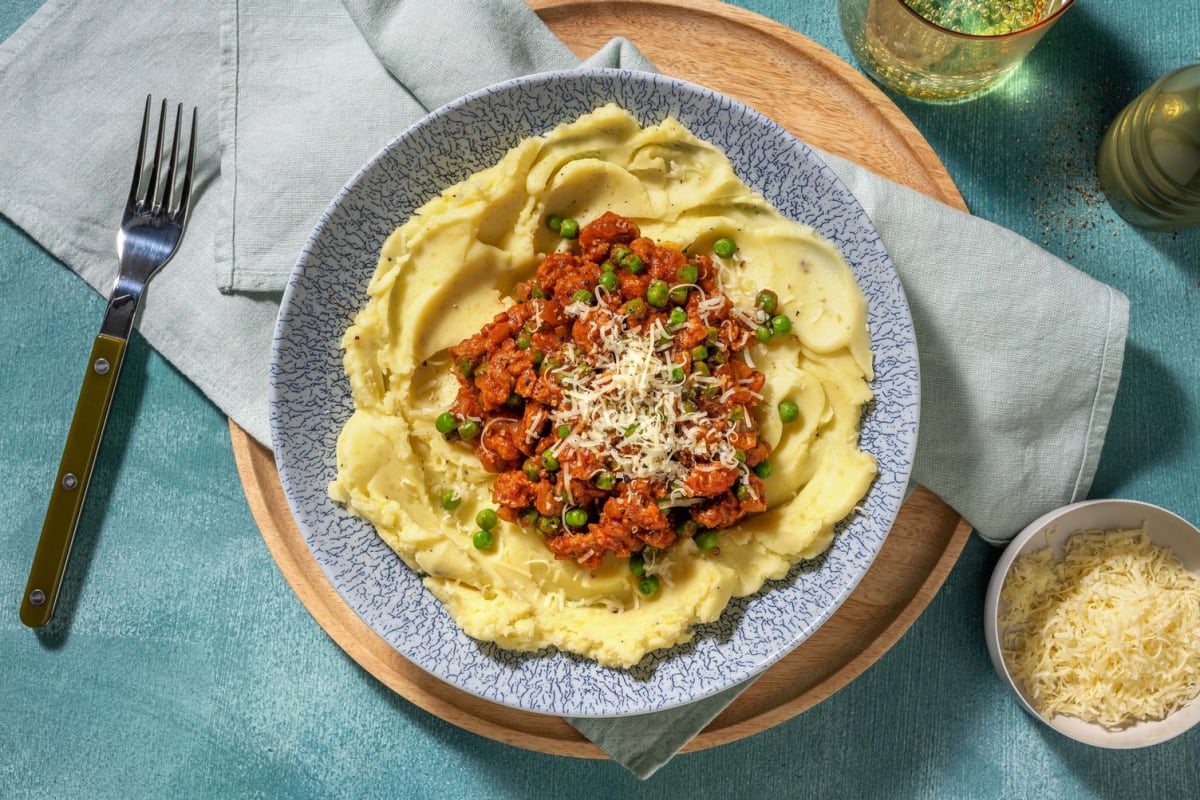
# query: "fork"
[[151, 227]]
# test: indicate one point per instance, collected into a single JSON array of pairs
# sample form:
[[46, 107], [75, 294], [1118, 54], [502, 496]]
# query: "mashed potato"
[[452, 267]]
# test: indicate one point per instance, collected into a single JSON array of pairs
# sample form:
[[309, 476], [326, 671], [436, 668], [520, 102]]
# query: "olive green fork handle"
[[71, 484]]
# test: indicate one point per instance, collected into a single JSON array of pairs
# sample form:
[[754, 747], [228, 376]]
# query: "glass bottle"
[[1149, 159]]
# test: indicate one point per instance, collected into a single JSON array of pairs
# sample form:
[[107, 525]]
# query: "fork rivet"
[[69, 481], [101, 366], [37, 597]]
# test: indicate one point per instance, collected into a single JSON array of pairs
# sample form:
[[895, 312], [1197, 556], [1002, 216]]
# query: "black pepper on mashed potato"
[[457, 264]]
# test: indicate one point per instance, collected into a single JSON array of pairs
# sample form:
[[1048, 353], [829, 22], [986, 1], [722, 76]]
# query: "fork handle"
[[71, 484]]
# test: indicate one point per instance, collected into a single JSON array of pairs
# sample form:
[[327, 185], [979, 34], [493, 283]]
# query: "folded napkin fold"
[[1020, 353]]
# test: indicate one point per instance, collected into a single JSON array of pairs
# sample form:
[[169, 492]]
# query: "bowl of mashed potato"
[[603, 520]]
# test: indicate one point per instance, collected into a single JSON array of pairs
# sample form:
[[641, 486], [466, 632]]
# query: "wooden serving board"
[[827, 103]]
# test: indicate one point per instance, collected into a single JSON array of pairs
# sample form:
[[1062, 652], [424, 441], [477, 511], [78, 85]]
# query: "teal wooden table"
[[190, 669]]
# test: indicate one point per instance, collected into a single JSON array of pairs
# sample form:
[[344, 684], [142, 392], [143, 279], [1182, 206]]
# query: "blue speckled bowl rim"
[[666, 679]]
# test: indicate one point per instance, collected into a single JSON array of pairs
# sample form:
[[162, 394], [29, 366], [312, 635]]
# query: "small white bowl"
[[1165, 530]]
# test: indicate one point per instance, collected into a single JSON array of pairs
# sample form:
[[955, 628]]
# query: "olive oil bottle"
[[1149, 158]]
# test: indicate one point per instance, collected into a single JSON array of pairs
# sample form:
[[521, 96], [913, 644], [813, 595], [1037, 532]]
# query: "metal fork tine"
[[141, 155], [152, 190], [185, 191], [169, 189]]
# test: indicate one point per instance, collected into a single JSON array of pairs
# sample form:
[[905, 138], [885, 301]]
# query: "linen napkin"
[[1020, 353], [309, 93]]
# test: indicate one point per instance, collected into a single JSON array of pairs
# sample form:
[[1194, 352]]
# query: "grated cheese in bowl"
[[1109, 634]]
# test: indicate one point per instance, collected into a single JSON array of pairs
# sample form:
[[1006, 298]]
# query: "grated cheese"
[[1110, 634], [658, 562], [623, 403]]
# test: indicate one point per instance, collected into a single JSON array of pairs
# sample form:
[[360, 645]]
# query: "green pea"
[[549, 461], [529, 517], [550, 364], [700, 368], [633, 262], [554, 222], [763, 469], [547, 524], [736, 415], [719, 357], [712, 335], [679, 295], [687, 529], [487, 519], [583, 296], [677, 374], [619, 253], [468, 429], [688, 273], [445, 423], [635, 309], [740, 455], [568, 229], [657, 293], [648, 585], [483, 540], [767, 300], [531, 469], [689, 407], [605, 481], [762, 334], [742, 492], [465, 367], [789, 411], [710, 391], [537, 358], [637, 564], [678, 317], [577, 517], [450, 499], [781, 325], [609, 281], [524, 341], [724, 247], [515, 401], [699, 352]]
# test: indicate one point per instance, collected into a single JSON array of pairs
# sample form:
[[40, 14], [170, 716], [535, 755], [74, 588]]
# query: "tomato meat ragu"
[[615, 400]]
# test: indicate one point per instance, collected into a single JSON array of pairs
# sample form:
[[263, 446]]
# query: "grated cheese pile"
[[1110, 634], [622, 401]]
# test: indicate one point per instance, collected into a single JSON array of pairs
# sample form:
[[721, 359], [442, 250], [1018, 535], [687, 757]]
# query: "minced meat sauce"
[[614, 400]]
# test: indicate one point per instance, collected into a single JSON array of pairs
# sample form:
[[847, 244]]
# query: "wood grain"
[[827, 103]]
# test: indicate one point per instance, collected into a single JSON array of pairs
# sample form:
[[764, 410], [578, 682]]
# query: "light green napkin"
[[1020, 353], [310, 90]]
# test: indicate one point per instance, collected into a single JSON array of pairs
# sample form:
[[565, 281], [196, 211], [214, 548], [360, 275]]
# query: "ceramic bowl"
[[1165, 529], [310, 397]]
